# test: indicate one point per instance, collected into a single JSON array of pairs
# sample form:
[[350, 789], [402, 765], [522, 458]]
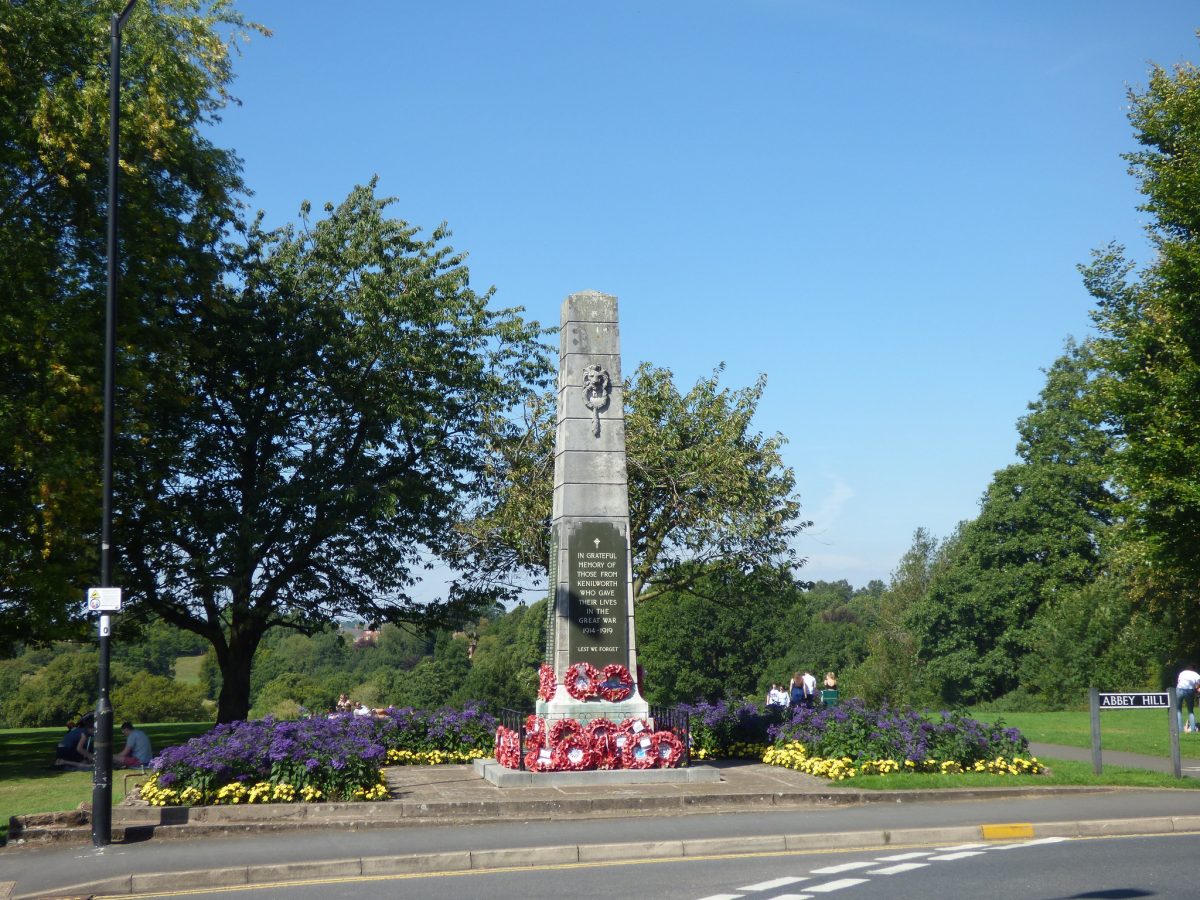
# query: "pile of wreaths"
[[584, 681], [567, 746]]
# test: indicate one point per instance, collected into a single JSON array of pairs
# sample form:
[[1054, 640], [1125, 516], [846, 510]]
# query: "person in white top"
[[1185, 692], [810, 688]]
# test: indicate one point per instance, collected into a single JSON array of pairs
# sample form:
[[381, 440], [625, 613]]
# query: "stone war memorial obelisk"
[[590, 631]]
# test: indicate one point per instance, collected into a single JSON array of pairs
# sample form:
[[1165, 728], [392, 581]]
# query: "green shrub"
[[156, 698]]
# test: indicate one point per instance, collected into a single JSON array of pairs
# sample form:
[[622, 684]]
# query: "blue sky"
[[879, 205]]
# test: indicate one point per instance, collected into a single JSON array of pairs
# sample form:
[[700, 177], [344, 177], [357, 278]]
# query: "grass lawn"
[[1062, 772], [1144, 731], [28, 786], [187, 669]]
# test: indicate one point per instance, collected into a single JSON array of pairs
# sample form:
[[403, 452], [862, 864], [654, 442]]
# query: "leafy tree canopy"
[[1149, 351], [178, 192], [1037, 535], [705, 488], [342, 384]]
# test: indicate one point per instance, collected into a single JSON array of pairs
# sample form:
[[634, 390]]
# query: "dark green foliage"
[[508, 652], [181, 191], [433, 682], [705, 489], [823, 630], [891, 671], [1090, 637], [291, 696], [715, 639], [1037, 536], [343, 383], [155, 698], [153, 648], [1149, 357], [60, 692]]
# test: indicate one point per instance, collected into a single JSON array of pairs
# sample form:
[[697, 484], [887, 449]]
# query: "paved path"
[[1190, 768]]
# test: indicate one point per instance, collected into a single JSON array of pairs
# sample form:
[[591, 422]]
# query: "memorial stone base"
[[564, 706], [494, 773]]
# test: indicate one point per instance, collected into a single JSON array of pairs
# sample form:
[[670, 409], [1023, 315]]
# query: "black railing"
[[674, 720], [515, 721]]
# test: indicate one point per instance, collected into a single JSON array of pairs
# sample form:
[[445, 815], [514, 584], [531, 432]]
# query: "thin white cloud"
[[830, 508]]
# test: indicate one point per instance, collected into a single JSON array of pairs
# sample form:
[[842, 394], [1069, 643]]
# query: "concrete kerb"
[[599, 853], [183, 822]]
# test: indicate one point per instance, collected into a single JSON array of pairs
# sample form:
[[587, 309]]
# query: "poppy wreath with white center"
[[668, 749], [582, 680]]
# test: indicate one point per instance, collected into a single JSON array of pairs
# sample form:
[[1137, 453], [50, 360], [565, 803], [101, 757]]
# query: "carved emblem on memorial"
[[597, 389]]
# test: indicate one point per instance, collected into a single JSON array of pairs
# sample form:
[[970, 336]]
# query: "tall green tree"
[[178, 194], [717, 637], [891, 670], [705, 488], [1149, 353], [343, 382], [1037, 535]]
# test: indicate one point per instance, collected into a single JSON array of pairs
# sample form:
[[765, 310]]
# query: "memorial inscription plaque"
[[598, 568]]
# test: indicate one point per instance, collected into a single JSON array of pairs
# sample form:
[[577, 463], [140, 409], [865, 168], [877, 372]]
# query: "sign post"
[[103, 600], [1099, 700]]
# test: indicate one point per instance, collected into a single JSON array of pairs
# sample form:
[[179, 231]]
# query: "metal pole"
[[1172, 706], [102, 762], [1094, 703]]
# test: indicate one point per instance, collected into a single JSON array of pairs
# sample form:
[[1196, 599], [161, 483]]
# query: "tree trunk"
[[233, 704]]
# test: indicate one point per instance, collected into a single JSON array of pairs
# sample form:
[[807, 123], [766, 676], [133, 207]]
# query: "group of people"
[[346, 705], [802, 691], [76, 751]]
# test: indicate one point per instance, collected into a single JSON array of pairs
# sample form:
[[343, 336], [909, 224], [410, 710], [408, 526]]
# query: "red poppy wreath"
[[668, 749], [616, 684], [602, 738], [573, 753], [547, 683], [582, 680]]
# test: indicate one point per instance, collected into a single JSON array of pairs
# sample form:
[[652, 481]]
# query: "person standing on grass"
[[137, 752], [1185, 692]]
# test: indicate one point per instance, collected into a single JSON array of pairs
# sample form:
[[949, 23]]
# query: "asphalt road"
[[46, 869], [1057, 869]]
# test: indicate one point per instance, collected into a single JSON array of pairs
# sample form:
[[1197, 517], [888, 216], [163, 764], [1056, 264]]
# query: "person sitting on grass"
[[72, 751], [136, 752]]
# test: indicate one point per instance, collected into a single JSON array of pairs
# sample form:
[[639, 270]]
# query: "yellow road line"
[[1006, 832], [405, 876]]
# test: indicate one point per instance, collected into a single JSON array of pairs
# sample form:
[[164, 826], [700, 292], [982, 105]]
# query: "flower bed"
[[793, 755], [567, 746], [730, 730], [332, 758], [848, 740]]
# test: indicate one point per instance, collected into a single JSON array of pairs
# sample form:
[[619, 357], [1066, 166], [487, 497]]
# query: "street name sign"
[[1135, 701]]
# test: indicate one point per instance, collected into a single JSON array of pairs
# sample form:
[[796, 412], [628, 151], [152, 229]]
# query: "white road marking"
[[771, 885], [830, 886], [1049, 840], [722, 897], [901, 857], [793, 897], [844, 867], [898, 868], [963, 847], [944, 857]]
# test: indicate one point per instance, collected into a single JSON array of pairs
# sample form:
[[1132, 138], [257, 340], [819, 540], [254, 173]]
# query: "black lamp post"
[[102, 770]]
